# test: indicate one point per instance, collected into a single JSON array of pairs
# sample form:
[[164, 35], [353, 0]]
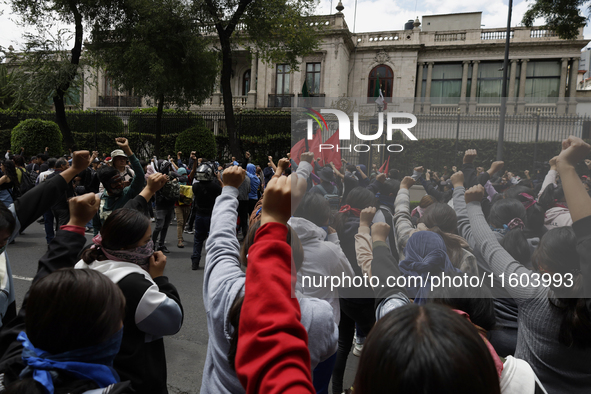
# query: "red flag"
[[300, 147], [332, 154], [384, 168]]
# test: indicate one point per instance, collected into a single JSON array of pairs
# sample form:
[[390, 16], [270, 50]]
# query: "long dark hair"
[[424, 349], [557, 253], [10, 172], [534, 212], [359, 198], [476, 302], [315, 208], [442, 219], [514, 241], [123, 229]]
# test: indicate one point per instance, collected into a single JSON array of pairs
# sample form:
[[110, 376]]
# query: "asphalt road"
[[185, 351]]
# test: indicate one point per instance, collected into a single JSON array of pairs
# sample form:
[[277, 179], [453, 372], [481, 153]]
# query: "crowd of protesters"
[[95, 316]]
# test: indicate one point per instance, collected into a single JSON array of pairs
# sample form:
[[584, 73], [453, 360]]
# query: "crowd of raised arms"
[[95, 316]]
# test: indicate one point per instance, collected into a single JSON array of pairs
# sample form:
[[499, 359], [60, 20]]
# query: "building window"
[[386, 81], [246, 83], [110, 89], [490, 82], [313, 78], [542, 82], [283, 72], [446, 83]]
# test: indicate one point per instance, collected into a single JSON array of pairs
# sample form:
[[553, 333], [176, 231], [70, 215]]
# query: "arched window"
[[386, 81], [246, 83]]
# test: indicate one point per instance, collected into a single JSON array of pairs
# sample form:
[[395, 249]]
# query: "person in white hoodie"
[[223, 293], [323, 258]]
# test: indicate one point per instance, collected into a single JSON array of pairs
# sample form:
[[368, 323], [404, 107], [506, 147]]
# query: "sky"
[[377, 15]]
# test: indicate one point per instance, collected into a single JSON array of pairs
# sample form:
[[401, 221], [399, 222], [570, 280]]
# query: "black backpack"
[[26, 182]]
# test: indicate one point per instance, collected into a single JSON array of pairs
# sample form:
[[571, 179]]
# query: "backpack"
[[26, 183], [33, 175], [334, 200], [170, 192]]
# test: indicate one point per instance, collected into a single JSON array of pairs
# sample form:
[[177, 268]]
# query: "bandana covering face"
[[139, 255], [94, 362]]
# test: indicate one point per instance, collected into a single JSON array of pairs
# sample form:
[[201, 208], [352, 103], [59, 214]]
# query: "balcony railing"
[[280, 100], [120, 101], [317, 100]]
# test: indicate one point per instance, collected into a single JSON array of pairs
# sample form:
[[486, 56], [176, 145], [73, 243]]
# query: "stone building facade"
[[442, 65]]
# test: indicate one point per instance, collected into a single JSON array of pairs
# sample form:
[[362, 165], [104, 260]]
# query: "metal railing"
[[120, 101], [280, 100]]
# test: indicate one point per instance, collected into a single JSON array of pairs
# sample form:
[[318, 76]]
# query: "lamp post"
[[537, 134], [458, 130], [504, 86]]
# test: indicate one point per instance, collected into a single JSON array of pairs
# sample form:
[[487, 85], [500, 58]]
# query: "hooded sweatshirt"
[[153, 309], [255, 182], [224, 282], [323, 256]]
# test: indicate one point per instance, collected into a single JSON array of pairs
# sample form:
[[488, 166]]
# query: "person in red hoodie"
[[272, 355]]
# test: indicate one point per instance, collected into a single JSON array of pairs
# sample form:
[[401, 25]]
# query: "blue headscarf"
[[93, 363], [426, 255]]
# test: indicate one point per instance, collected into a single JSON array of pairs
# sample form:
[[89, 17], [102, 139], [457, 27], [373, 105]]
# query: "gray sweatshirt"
[[224, 281], [561, 369]]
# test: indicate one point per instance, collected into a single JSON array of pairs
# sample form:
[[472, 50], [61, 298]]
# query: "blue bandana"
[[93, 363]]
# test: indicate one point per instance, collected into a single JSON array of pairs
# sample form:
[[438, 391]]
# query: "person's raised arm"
[[574, 150], [155, 182], [363, 249], [498, 259], [272, 355], [550, 177], [470, 178], [137, 183], [223, 250], [402, 222], [384, 267], [273, 166]]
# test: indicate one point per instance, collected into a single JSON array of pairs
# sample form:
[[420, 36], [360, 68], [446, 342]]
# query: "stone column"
[[252, 92], [418, 100], [464, 88], [521, 98], [561, 104], [572, 87], [427, 105], [216, 100], [511, 94], [473, 98]]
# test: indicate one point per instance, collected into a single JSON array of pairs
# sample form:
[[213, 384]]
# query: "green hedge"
[[173, 121], [5, 142], [199, 139], [141, 144], [89, 121], [34, 135]]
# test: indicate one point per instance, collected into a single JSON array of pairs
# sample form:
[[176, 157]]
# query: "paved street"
[[186, 350]]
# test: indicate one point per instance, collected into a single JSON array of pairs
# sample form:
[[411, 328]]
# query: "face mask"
[[139, 255]]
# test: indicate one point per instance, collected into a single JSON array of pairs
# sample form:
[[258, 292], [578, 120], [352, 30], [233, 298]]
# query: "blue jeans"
[[49, 230], [201, 232]]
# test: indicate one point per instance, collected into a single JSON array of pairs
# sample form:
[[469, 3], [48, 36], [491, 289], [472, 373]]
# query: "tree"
[[278, 30], [44, 14], [153, 48], [561, 16], [38, 72]]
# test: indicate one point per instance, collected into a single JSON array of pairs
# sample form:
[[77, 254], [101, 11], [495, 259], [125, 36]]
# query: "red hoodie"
[[272, 355]]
